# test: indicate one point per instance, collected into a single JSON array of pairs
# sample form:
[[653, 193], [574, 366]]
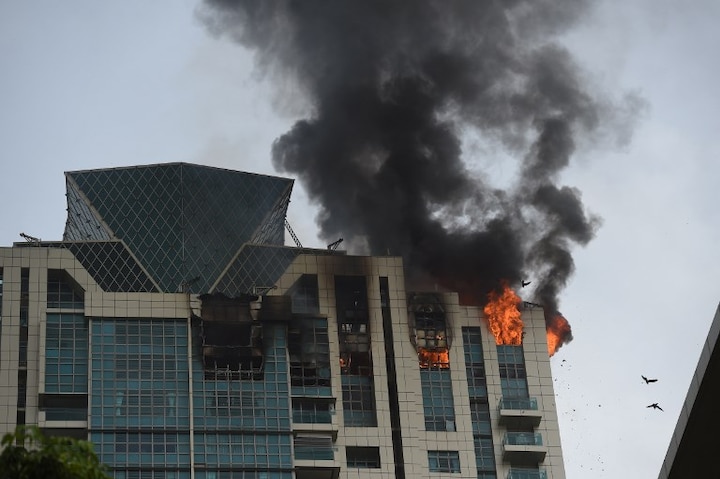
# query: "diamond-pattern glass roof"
[[110, 264], [81, 224], [185, 222], [260, 266]]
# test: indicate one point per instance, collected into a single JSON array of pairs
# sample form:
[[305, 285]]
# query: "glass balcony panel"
[[519, 403], [519, 473], [523, 439]]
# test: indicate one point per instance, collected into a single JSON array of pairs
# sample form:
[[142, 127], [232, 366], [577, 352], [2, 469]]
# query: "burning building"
[[174, 328]]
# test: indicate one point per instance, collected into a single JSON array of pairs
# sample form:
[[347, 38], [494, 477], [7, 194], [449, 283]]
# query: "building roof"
[[183, 223]]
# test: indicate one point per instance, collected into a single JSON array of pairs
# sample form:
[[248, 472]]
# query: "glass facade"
[[437, 397], [513, 377], [180, 221], [140, 393], [140, 407], [233, 381], [243, 424], [66, 353], [444, 461], [356, 366], [479, 406]]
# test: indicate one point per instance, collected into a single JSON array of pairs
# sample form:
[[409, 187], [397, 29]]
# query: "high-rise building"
[[691, 453], [173, 328]]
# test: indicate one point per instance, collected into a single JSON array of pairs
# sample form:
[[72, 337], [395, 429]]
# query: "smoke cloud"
[[395, 86]]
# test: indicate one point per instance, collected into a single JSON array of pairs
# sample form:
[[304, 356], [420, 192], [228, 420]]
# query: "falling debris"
[[648, 381], [655, 406], [525, 283]]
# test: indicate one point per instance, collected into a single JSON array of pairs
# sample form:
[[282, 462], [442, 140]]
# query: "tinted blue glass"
[[66, 353], [140, 382], [437, 399]]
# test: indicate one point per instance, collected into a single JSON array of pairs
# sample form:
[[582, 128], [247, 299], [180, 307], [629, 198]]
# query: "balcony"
[[519, 413], [519, 473], [314, 415], [523, 448], [315, 458]]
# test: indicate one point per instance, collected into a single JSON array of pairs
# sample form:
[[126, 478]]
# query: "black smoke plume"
[[395, 86]]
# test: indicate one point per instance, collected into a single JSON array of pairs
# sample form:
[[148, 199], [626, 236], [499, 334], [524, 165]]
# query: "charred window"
[[430, 331], [305, 296], [356, 367], [232, 341], [309, 349]]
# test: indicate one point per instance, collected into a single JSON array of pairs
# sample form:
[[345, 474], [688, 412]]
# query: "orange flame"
[[503, 316], [433, 359], [557, 330]]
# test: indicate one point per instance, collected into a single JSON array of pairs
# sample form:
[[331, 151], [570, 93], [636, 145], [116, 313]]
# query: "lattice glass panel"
[[185, 222], [112, 266], [256, 266], [81, 224]]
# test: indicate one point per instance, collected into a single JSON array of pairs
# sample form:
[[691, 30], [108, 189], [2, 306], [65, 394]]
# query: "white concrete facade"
[[416, 441]]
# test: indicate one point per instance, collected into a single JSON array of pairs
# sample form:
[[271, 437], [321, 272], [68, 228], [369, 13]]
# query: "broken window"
[[430, 330], [356, 367], [305, 295], [231, 338], [309, 349]]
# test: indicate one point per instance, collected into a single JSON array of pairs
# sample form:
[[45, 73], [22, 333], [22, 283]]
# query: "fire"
[[557, 330], [434, 359], [503, 316]]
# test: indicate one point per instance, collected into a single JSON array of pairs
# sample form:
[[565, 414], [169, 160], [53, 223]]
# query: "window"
[[513, 377], [66, 353], [363, 457], [356, 365], [309, 349], [314, 447], [310, 411], [304, 294], [443, 461], [63, 291], [437, 397]]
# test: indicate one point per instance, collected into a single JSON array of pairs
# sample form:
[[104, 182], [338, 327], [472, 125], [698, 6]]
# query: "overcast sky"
[[86, 84]]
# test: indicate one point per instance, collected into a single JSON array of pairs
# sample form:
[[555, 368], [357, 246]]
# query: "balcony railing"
[[523, 439], [518, 403], [523, 448], [519, 473], [519, 413]]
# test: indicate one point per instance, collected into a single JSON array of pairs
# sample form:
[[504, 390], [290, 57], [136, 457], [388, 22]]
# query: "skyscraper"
[[173, 328]]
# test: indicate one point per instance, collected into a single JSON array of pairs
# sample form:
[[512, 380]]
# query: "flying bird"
[[525, 283], [648, 381], [655, 406]]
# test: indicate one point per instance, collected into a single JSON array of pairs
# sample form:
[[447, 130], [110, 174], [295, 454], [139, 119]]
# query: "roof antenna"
[[31, 239], [333, 246]]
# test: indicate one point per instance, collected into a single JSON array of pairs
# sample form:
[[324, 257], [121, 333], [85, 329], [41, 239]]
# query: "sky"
[[88, 84]]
